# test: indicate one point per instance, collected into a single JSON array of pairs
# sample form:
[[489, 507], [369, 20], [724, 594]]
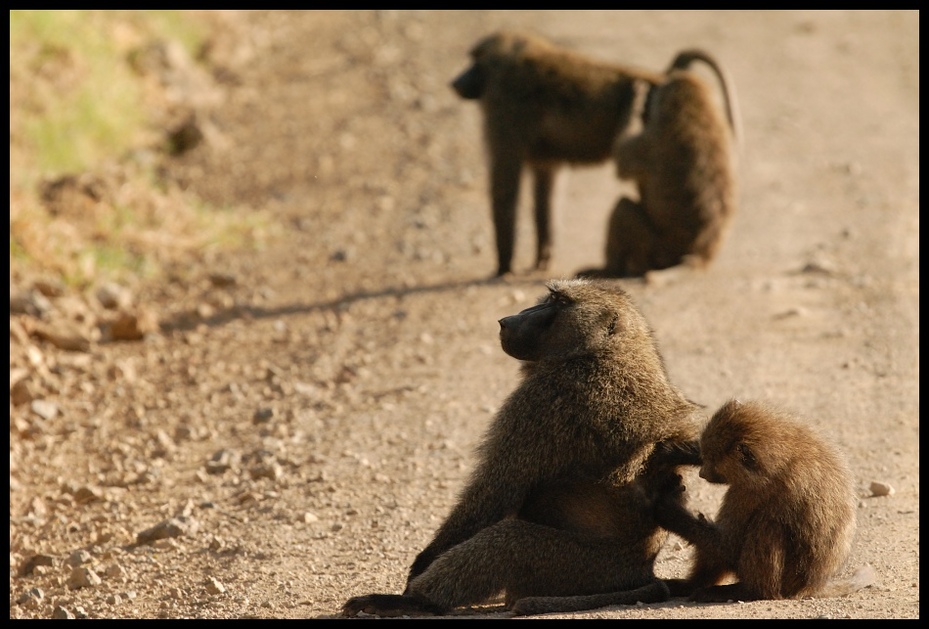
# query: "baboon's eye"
[[554, 297], [747, 457]]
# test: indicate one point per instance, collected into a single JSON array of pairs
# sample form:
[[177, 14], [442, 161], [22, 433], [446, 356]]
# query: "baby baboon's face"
[[726, 463], [727, 447]]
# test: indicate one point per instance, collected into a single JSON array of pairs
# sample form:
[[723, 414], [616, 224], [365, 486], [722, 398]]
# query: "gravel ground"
[[267, 433]]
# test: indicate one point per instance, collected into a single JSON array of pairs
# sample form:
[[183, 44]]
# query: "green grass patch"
[[76, 104]]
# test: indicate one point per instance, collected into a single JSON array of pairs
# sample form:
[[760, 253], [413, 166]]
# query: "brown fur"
[[787, 520], [558, 503], [683, 164], [543, 107]]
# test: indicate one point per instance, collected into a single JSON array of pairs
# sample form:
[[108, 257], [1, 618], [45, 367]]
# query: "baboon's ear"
[[611, 329], [747, 457]]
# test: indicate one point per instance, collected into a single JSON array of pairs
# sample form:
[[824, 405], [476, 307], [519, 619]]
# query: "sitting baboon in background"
[[559, 502], [787, 521], [683, 163], [543, 107]]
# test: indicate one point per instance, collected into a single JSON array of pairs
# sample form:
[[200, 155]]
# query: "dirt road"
[[309, 413]]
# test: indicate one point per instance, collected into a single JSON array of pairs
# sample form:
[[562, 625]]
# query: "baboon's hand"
[[668, 503], [667, 484], [390, 605], [678, 453]]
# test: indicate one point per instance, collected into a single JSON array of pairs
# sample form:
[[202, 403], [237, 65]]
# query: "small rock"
[[32, 598], [87, 493], [213, 586], [17, 375], [248, 498], [112, 296], [131, 326], [266, 470], [29, 302], [794, 311], [63, 336], [31, 563], [62, 613], [165, 544], [263, 415], [21, 393], [172, 527], [185, 136], [50, 287], [222, 280], [82, 577], [79, 558], [115, 570], [819, 266], [881, 489], [221, 461], [44, 409]]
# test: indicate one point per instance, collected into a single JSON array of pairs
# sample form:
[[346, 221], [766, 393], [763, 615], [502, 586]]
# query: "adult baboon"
[[543, 107], [787, 521], [559, 501], [684, 166]]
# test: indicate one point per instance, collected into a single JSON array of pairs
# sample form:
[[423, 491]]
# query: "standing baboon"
[[543, 106], [559, 501], [683, 163], [786, 523]]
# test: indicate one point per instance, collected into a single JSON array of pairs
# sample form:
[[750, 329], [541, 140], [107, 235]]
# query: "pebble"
[[62, 613], [172, 527], [214, 586], [82, 576], [882, 489]]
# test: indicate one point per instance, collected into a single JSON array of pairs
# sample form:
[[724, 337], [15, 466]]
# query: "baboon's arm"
[[699, 531], [673, 453]]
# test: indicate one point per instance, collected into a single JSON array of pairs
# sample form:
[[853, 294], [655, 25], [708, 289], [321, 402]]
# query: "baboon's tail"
[[685, 58], [837, 588], [654, 592]]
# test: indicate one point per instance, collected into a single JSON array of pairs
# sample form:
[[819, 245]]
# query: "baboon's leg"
[[708, 240], [629, 240], [505, 171], [527, 559], [544, 184], [710, 561]]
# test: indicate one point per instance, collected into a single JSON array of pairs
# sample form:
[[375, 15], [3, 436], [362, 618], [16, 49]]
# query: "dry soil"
[[300, 422]]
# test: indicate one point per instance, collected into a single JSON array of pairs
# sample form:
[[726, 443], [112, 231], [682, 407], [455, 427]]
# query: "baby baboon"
[[786, 523], [559, 501], [543, 106], [683, 164]]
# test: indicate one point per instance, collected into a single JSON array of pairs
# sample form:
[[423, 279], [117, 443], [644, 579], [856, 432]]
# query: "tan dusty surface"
[[351, 367]]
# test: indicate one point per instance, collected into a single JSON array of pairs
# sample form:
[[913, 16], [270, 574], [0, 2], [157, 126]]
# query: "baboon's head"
[[490, 52], [471, 83], [743, 443], [577, 317]]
